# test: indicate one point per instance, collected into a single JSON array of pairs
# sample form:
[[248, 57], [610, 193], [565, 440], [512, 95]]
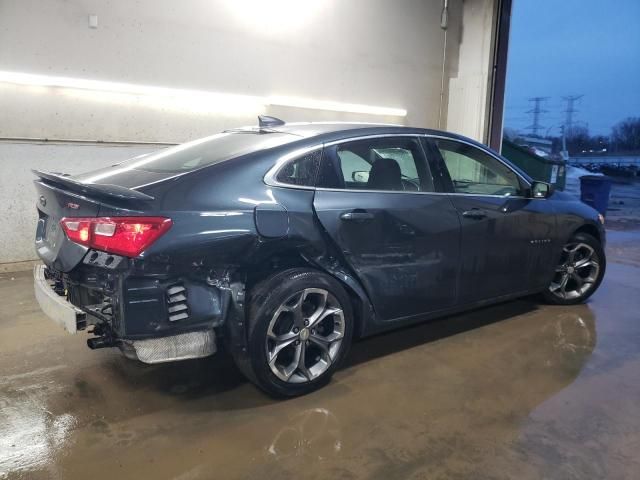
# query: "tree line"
[[624, 138]]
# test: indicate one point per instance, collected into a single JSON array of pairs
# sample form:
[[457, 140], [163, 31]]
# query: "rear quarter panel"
[[214, 213]]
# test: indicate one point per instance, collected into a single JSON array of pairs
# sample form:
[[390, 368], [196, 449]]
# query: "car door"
[[506, 237], [375, 198]]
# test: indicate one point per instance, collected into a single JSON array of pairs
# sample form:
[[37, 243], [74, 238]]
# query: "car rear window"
[[206, 151]]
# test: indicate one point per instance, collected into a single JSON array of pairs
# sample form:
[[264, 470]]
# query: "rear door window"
[[384, 164]]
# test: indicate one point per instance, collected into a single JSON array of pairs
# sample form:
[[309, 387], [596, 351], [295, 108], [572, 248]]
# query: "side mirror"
[[541, 190], [360, 176]]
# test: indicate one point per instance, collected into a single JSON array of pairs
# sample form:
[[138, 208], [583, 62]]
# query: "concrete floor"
[[517, 390]]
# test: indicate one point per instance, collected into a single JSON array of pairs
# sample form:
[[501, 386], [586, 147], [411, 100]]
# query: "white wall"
[[373, 52]]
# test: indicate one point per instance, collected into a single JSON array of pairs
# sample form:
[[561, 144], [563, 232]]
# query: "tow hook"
[[103, 338]]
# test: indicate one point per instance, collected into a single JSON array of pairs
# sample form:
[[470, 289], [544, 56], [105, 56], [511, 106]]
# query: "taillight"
[[127, 236]]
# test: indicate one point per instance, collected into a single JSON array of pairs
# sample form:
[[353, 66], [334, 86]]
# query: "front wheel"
[[579, 272], [301, 324]]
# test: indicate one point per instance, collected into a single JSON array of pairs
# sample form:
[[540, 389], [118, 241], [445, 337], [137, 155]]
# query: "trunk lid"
[[61, 196]]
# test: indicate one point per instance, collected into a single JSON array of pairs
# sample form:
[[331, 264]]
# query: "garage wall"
[[369, 52], [372, 52]]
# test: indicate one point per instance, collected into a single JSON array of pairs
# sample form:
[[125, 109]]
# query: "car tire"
[[292, 315], [579, 272]]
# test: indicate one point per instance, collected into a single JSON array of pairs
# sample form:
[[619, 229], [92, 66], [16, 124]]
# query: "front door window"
[[476, 172]]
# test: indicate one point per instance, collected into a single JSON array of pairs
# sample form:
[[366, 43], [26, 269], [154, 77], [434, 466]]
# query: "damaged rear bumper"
[[56, 306], [164, 347]]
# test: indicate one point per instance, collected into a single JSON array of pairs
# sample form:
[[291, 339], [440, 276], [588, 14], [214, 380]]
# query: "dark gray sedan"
[[284, 242]]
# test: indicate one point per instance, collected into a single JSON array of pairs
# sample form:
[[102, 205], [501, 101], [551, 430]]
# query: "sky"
[[574, 47]]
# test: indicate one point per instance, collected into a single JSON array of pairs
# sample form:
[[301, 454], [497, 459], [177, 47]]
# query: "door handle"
[[357, 216], [475, 213]]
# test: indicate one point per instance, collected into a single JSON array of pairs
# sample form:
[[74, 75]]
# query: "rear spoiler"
[[95, 189]]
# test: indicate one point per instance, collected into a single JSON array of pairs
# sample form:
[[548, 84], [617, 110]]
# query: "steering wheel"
[[409, 185]]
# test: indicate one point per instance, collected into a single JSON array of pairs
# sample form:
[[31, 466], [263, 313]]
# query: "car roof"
[[344, 129], [312, 129]]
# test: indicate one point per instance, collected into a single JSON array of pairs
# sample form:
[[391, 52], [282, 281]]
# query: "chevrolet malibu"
[[283, 243]]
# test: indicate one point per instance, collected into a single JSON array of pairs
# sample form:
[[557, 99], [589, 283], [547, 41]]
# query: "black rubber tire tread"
[[264, 299], [581, 237]]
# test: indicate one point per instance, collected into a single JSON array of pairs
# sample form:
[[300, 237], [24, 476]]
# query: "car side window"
[[301, 171], [387, 164], [476, 172], [350, 163]]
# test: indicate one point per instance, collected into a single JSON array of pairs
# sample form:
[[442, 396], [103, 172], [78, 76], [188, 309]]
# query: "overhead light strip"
[[19, 78]]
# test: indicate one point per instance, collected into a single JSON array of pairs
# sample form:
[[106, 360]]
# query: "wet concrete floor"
[[517, 390]]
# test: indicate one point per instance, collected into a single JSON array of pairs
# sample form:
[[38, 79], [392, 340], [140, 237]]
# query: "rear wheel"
[[579, 272], [301, 324]]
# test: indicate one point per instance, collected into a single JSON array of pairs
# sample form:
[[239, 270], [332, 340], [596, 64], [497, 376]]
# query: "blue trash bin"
[[595, 190]]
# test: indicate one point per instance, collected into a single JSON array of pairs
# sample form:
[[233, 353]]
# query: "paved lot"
[[517, 390]]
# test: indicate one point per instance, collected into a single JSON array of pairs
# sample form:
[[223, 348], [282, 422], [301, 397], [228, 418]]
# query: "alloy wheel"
[[304, 335], [577, 271]]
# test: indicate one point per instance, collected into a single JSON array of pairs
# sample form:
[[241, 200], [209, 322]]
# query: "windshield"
[[205, 151]]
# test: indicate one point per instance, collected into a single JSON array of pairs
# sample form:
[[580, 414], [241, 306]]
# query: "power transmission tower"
[[536, 111], [569, 111], [565, 152]]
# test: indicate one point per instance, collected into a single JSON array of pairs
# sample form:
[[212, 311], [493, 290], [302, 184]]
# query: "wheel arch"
[[589, 229], [271, 263]]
